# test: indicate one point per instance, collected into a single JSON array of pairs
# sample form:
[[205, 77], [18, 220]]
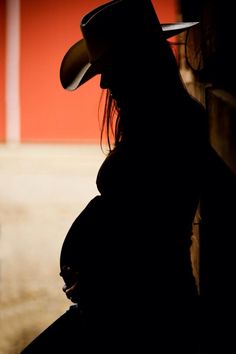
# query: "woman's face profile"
[[112, 79], [116, 76]]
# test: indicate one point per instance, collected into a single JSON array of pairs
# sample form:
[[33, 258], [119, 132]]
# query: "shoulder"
[[196, 117], [195, 107]]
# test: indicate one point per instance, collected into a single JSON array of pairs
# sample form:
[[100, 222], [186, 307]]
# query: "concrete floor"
[[42, 189]]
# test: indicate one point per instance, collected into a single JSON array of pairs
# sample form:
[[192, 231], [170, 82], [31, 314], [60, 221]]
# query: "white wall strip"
[[12, 70]]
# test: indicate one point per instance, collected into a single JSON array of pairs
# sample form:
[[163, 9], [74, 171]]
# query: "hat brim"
[[172, 29], [76, 69]]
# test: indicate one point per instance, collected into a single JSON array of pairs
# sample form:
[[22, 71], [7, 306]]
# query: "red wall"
[[166, 9], [2, 68], [48, 112]]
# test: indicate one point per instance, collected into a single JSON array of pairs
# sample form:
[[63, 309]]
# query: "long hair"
[[170, 87], [110, 125]]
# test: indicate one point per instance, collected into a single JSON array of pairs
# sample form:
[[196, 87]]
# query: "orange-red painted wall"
[[166, 9], [2, 69], [48, 112]]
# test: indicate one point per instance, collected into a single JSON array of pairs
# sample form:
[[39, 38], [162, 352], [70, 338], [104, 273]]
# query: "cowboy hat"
[[100, 27]]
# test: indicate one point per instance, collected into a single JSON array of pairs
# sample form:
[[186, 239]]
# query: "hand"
[[71, 286]]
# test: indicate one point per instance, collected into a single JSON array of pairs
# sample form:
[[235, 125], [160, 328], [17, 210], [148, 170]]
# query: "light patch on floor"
[[42, 189]]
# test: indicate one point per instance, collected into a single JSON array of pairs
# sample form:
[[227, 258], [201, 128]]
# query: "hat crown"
[[119, 20]]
